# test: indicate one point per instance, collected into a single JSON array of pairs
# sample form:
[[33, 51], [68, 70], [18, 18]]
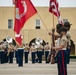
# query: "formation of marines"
[[7, 51], [62, 48]]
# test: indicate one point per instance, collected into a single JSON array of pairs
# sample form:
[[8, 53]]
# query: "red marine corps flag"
[[24, 9], [54, 8]]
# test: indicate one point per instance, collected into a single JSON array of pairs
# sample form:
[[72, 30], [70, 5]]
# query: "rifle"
[[53, 51]]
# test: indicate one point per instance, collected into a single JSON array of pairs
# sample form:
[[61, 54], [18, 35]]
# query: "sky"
[[38, 3]]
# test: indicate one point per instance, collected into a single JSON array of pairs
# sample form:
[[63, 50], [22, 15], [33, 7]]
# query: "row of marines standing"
[[7, 52], [36, 52]]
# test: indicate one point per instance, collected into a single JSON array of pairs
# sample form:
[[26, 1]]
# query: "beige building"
[[43, 20]]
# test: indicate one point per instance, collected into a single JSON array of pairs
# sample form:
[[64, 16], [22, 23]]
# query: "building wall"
[[29, 32]]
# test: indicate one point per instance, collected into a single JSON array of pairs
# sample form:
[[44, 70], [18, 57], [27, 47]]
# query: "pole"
[[43, 23], [13, 2], [53, 19]]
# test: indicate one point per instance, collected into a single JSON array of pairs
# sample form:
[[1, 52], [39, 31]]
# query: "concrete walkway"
[[34, 69]]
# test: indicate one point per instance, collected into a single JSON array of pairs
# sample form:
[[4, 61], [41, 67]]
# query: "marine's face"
[[67, 27], [58, 31], [26, 44]]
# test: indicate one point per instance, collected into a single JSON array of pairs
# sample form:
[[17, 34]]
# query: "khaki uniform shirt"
[[47, 48], [40, 48], [26, 49], [32, 49], [63, 41], [2, 47], [68, 37]]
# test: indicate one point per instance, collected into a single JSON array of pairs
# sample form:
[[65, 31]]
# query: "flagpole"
[[53, 22], [13, 2], [43, 23], [53, 19]]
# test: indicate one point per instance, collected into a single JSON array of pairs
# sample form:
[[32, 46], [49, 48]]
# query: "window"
[[10, 23], [64, 20], [37, 23]]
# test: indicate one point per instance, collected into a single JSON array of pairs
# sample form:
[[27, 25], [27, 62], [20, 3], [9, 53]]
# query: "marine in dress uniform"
[[6, 52], [62, 53], [2, 52], [68, 25], [10, 52], [26, 52], [47, 50], [40, 48], [57, 39], [16, 53], [20, 51], [32, 49], [36, 53]]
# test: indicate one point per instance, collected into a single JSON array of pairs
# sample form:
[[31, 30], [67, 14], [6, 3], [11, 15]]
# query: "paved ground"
[[34, 69]]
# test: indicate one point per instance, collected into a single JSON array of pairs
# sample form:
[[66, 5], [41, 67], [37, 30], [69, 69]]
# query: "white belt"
[[32, 51], [64, 49], [25, 51], [20, 48], [1, 50], [46, 50], [39, 50]]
